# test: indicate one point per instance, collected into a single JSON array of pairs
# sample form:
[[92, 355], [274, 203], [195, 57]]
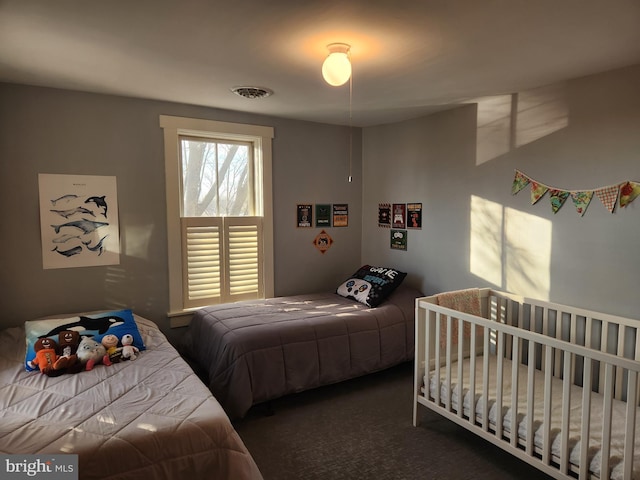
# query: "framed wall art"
[[79, 220]]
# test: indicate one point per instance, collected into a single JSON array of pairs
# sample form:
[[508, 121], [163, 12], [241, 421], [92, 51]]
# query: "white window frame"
[[261, 137]]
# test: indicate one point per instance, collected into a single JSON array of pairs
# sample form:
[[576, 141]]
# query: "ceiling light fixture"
[[336, 68]]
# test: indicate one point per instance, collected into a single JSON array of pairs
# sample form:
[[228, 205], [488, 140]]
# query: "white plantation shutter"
[[202, 260], [221, 259], [243, 257]]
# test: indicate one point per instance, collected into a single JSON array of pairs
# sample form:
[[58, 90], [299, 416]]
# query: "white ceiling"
[[409, 58]]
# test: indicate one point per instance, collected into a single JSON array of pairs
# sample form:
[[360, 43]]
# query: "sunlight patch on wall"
[[527, 254], [136, 239], [486, 240], [540, 113], [507, 122], [493, 127], [510, 249]]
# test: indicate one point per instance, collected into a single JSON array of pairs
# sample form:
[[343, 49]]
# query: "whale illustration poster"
[[78, 220]]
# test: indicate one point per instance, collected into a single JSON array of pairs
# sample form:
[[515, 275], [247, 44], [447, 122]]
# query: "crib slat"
[[604, 342], [447, 367], [530, 396], [545, 331], [427, 353], [515, 364], [607, 410], [630, 431], [509, 321], [437, 358], [460, 371], [499, 383], [566, 411], [620, 352], [485, 381], [573, 339], [472, 379], [557, 365], [546, 440], [588, 330], [586, 416]]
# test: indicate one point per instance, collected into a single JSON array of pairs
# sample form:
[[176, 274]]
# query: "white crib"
[[563, 373]]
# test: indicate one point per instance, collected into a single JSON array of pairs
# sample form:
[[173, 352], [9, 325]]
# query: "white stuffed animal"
[[129, 351], [91, 353]]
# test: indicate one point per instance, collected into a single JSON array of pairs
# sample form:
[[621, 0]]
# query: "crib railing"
[[566, 346]]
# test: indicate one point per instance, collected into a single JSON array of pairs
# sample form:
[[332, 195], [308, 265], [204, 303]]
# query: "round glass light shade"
[[336, 68]]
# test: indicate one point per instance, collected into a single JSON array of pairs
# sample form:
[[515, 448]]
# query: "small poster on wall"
[[323, 215], [384, 215], [323, 241], [398, 239], [414, 215], [78, 221], [399, 215], [305, 215], [340, 215]]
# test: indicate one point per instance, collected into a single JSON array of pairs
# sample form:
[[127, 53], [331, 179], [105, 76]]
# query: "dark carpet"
[[361, 429]]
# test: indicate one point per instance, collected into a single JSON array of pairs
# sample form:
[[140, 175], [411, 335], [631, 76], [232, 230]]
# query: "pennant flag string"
[[624, 192]]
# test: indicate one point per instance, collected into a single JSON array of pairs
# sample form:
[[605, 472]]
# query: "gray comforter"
[[255, 351], [151, 418]]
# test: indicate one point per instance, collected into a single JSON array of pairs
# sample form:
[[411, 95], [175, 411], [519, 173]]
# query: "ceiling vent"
[[252, 92]]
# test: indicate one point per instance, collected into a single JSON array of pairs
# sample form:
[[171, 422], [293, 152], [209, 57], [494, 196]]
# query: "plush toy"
[[91, 353], [110, 343], [68, 341], [46, 355], [129, 351]]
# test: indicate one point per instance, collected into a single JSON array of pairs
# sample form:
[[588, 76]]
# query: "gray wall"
[[460, 164], [54, 131]]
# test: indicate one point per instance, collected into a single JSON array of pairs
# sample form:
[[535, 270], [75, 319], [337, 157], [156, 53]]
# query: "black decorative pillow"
[[371, 285]]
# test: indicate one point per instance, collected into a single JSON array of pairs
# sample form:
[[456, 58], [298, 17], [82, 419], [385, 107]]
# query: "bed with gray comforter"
[[255, 351]]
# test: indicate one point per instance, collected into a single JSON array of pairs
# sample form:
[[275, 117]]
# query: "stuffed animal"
[[129, 351], [91, 353], [110, 343], [68, 341], [46, 355]]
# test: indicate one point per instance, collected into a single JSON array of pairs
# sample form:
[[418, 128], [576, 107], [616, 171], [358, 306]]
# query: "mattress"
[[255, 351], [147, 418], [594, 453]]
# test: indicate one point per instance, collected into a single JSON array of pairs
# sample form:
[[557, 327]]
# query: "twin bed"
[[556, 386], [145, 418], [255, 351]]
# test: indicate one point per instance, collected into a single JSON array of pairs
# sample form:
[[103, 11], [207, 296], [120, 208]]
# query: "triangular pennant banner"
[[608, 196], [519, 182], [628, 193], [558, 197], [581, 200], [537, 191]]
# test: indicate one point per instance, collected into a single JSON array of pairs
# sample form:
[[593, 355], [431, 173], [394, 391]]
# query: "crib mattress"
[[594, 453]]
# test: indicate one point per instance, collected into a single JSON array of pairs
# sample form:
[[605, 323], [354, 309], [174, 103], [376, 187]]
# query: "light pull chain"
[[350, 122]]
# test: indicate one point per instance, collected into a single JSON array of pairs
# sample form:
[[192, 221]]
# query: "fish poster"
[[78, 220]]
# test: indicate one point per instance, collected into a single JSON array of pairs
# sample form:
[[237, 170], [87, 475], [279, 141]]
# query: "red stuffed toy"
[[46, 356]]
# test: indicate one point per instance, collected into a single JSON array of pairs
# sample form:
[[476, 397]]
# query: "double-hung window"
[[219, 213]]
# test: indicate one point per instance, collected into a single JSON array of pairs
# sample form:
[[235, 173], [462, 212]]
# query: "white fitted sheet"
[[596, 419]]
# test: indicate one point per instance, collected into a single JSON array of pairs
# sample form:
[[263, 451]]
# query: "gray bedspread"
[[151, 418], [255, 351]]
